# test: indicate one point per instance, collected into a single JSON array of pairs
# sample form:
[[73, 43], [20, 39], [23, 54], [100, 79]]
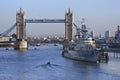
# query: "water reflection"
[[33, 65], [22, 50]]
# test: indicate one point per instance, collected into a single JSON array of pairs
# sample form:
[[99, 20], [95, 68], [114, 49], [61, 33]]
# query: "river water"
[[32, 65]]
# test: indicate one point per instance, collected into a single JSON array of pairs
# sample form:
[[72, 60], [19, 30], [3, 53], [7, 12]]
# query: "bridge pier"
[[21, 42]]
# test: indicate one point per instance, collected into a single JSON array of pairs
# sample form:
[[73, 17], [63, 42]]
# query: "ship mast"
[[83, 24]]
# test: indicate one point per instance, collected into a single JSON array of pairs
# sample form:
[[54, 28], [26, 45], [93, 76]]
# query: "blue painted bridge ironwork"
[[45, 20]]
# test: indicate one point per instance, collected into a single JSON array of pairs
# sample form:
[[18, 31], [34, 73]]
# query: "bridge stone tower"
[[21, 25], [21, 30], [68, 25]]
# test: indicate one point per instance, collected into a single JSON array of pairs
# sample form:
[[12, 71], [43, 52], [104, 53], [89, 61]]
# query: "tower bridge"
[[21, 27]]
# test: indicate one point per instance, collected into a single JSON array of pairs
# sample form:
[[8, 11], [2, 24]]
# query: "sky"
[[100, 15]]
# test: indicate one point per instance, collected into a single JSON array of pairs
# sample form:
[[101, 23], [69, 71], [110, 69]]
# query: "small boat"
[[83, 47], [56, 44]]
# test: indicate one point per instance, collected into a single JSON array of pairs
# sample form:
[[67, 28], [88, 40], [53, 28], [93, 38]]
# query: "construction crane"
[[5, 33]]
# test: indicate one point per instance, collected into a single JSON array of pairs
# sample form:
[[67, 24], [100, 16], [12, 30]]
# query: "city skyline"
[[99, 15]]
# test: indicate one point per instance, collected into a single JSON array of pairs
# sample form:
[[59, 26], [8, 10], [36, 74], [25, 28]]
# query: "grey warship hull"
[[89, 56]]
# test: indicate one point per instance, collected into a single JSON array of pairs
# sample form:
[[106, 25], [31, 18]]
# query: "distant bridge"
[[21, 24], [21, 27]]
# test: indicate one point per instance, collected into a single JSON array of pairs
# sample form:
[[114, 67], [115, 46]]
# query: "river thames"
[[32, 65]]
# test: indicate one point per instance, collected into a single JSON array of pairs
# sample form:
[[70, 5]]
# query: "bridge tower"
[[21, 30], [68, 25], [21, 25]]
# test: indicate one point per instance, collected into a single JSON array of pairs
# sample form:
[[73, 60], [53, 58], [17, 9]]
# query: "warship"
[[82, 47]]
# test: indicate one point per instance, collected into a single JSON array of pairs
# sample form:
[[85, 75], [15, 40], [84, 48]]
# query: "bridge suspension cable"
[[5, 33]]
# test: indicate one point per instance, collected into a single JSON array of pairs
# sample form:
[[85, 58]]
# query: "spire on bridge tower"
[[20, 10], [69, 10]]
